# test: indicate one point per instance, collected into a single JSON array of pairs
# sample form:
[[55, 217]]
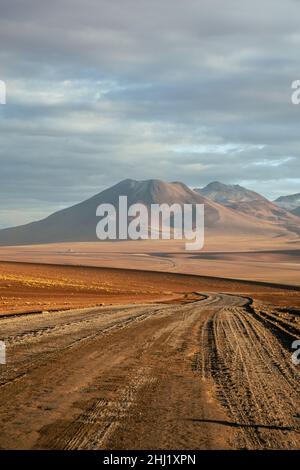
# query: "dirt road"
[[208, 374]]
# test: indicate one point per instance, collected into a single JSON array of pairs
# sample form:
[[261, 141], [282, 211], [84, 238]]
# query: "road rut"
[[210, 374]]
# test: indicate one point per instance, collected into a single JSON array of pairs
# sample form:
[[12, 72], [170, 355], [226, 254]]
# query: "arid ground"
[[275, 260], [116, 359]]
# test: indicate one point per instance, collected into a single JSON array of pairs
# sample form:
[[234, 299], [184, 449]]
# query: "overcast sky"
[[102, 90]]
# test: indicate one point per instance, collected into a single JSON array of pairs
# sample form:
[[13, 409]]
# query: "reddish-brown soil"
[[257, 260], [210, 374], [26, 287], [182, 361]]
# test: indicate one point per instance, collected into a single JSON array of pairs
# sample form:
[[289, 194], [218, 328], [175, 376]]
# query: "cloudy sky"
[[102, 90]]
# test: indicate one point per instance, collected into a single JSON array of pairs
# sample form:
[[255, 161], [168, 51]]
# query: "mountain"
[[290, 203], [296, 211], [78, 223], [251, 203], [228, 194]]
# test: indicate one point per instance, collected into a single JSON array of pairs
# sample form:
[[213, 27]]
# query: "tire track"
[[255, 379], [130, 376]]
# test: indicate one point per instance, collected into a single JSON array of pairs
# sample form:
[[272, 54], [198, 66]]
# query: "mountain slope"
[[78, 223], [251, 203], [227, 194], [296, 211], [290, 203]]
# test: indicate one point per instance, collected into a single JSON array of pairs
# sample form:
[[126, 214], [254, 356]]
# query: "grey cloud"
[[182, 74]]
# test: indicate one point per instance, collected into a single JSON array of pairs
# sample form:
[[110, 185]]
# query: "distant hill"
[[296, 211], [290, 203], [251, 203], [78, 223], [228, 194]]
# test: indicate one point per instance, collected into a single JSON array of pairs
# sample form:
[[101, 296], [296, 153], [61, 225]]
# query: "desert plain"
[[105, 357]]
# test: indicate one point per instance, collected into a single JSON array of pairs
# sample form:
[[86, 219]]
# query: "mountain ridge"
[[248, 202], [290, 203], [78, 222]]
